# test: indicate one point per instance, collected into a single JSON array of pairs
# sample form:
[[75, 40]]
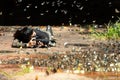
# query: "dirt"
[[67, 34]]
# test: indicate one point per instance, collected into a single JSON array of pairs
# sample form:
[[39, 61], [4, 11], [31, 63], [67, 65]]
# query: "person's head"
[[23, 34]]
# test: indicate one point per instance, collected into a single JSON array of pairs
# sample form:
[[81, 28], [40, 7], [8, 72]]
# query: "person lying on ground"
[[28, 37]]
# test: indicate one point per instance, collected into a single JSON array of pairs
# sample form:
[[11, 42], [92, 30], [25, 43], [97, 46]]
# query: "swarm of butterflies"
[[98, 57]]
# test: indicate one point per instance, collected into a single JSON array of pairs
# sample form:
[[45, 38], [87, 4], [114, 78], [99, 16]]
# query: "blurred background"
[[58, 12]]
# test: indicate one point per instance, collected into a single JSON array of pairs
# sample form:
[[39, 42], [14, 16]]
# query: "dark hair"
[[23, 35]]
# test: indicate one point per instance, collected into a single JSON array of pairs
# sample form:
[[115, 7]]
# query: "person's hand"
[[40, 44], [31, 43]]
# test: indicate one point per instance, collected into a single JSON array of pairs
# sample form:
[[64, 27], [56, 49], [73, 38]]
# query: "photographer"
[[27, 37]]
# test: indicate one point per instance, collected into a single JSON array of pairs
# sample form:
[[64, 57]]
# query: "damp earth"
[[75, 54]]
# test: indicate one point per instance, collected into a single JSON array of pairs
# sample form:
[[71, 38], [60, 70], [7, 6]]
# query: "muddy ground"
[[61, 34]]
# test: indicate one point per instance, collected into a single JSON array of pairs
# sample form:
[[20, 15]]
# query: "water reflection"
[[100, 11]]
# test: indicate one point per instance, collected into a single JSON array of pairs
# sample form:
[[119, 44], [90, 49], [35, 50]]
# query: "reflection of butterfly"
[[25, 9], [41, 14], [35, 6], [81, 8], [28, 17], [56, 11], [28, 6], [117, 11], [42, 3], [19, 0]]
